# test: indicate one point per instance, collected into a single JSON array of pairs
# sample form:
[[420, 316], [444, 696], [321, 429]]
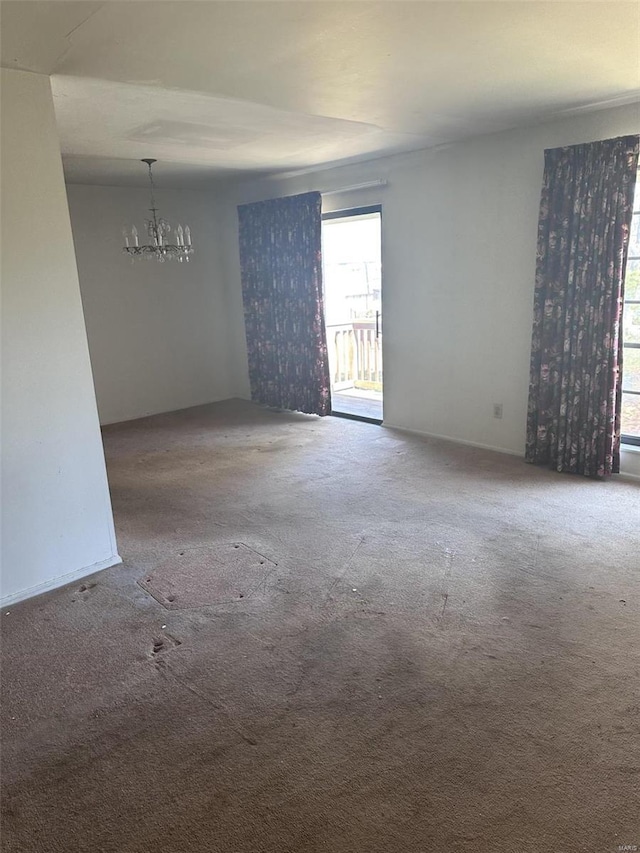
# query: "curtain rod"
[[380, 182]]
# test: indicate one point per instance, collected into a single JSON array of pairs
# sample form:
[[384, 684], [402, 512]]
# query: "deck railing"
[[355, 355]]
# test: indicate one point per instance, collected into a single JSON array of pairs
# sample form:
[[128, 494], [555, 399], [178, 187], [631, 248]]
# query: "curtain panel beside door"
[[576, 353], [281, 269]]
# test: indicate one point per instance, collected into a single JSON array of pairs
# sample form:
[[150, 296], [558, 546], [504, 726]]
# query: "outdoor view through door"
[[352, 276]]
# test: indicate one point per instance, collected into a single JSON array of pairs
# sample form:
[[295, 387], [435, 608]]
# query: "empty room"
[[320, 426]]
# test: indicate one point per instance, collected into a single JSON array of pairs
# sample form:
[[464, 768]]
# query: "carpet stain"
[[164, 643]]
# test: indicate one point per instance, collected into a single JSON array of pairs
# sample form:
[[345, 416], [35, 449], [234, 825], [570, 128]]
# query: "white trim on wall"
[[464, 441], [63, 580]]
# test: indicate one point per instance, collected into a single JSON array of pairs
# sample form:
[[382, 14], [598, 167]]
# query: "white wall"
[[56, 512], [459, 240], [157, 332]]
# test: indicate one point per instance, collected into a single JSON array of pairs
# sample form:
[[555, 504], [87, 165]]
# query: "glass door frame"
[[347, 213]]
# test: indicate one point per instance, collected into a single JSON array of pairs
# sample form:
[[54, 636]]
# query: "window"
[[631, 333]]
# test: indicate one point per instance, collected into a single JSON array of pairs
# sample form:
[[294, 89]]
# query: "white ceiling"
[[215, 88]]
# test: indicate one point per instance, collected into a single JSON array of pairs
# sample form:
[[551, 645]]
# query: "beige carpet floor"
[[331, 636]]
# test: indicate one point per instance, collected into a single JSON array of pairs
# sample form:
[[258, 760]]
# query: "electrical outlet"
[[497, 410]]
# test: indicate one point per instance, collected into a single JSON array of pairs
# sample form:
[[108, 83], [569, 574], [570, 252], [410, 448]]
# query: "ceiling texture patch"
[[220, 137]]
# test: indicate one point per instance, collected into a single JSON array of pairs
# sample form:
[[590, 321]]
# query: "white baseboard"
[[630, 457], [54, 583], [454, 440], [622, 475]]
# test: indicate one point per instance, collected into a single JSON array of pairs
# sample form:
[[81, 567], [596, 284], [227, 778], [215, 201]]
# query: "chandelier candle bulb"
[[134, 235], [187, 235]]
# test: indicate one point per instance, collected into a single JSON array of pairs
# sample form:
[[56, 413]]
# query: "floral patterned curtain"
[[573, 419], [280, 261]]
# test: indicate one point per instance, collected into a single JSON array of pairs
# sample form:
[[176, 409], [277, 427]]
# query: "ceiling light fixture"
[[159, 232]]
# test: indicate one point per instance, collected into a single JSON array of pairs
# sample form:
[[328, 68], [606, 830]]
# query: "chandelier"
[[160, 246]]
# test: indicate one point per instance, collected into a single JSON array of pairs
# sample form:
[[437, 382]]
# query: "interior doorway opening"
[[352, 275]]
